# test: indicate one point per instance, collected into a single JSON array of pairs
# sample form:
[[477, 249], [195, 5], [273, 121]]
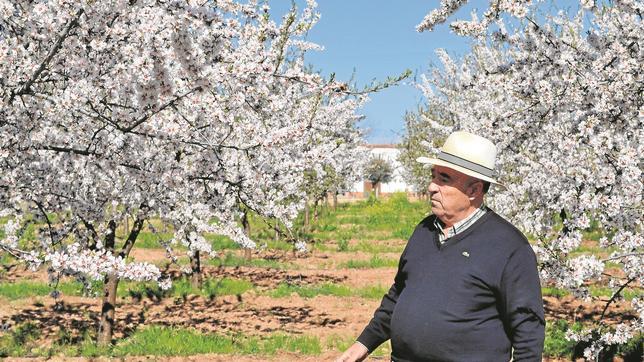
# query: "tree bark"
[[277, 231], [108, 311], [196, 278], [246, 227], [315, 210], [245, 223], [335, 200], [106, 326], [111, 281]]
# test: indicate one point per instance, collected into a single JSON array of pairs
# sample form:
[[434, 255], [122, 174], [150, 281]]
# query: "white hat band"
[[466, 164]]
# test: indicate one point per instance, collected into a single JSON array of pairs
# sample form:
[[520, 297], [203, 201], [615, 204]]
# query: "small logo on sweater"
[[466, 254]]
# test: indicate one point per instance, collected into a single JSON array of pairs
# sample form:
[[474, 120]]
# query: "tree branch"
[[144, 118], [614, 297], [57, 45]]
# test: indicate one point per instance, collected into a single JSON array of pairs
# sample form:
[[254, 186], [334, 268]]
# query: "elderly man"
[[467, 286]]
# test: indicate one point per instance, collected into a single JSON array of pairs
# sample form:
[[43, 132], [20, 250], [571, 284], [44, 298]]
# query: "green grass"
[[391, 218], [26, 289], [211, 287], [555, 344], [166, 341], [285, 290], [220, 242], [150, 240], [374, 262], [343, 244], [375, 248], [309, 291], [372, 292], [180, 288], [20, 341], [605, 292], [341, 343], [554, 292], [156, 341]]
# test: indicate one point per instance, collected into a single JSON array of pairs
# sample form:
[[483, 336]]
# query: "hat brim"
[[437, 162]]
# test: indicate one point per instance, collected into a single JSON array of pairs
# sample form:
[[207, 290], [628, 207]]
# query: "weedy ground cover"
[[370, 292], [164, 341], [374, 262], [171, 341]]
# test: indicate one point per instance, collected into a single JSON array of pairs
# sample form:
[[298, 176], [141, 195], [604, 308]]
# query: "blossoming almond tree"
[[563, 100], [176, 110]]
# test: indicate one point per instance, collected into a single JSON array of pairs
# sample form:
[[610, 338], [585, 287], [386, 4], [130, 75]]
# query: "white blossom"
[[115, 113]]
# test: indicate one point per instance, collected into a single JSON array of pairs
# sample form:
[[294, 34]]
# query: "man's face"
[[450, 193]]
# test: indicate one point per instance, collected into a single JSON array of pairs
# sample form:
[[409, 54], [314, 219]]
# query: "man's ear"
[[474, 188]]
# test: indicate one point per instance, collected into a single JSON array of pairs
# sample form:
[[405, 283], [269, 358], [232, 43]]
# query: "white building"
[[397, 183]]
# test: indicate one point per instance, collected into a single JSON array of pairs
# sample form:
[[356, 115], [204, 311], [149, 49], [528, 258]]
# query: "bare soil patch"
[[20, 272], [269, 278], [148, 255], [572, 310]]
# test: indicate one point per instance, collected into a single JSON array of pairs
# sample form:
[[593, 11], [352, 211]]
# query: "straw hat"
[[467, 153]]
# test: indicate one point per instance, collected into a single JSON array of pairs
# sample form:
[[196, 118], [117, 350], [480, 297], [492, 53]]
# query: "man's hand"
[[356, 353]]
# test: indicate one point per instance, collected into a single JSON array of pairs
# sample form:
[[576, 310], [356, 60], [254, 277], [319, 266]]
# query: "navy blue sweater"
[[477, 297]]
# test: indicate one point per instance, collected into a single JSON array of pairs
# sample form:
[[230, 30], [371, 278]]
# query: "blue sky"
[[375, 39]]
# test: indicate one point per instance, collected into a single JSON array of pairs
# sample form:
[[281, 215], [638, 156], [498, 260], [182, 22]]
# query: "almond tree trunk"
[[108, 307], [246, 226], [196, 278], [335, 200], [108, 311], [316, 212], [277, 230], [106, 326]]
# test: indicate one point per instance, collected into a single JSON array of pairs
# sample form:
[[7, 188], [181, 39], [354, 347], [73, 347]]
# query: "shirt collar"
[[460, 226]]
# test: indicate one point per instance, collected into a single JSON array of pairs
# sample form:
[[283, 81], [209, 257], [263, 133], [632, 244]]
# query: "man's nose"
[[432, 187]]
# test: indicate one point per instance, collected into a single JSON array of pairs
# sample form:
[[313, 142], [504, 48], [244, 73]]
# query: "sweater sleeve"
[[522, 304], [378, 331]]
